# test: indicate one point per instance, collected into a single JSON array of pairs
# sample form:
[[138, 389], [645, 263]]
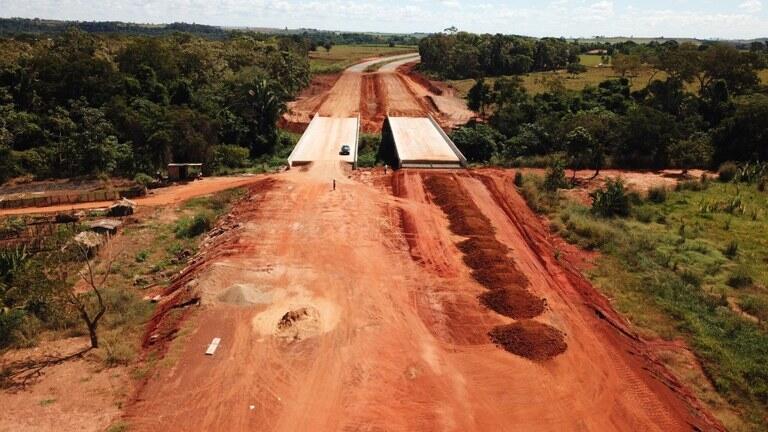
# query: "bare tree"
[[89, 304]]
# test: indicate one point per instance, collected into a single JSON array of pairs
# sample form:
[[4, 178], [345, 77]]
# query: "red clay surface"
[[354, 310], [393, 89], [157, 197]]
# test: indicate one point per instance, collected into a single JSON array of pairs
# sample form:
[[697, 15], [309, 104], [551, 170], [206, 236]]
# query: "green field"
[[590, 60], [687, 263], [540, 82], [342, 56]]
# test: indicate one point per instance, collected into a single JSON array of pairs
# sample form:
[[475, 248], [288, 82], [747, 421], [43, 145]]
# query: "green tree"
[[693, 152], [584, 151], [626, 65], [477, 142], [479, 96]]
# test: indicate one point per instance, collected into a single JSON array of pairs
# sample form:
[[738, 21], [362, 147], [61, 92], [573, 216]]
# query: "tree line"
[[467, 55], [36, 26], [705, 105], [84, 104]]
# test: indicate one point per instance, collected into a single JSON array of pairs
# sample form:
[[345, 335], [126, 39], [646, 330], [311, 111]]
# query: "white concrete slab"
[[418, 140], [213, 346], [323, 139]]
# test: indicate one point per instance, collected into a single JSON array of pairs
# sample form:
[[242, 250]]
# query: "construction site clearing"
[[329, 299]]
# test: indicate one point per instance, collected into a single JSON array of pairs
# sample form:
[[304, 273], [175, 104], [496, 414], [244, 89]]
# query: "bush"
[[657, 194], [518, 178], [740, 278], [585, 230], [576, 68], [143, 179], [644, 214], [230, 156], [555, 178], [732, 249], [755, 306], [692, 185], [10, 326], [727, 172], [193, 227], [612, 200], [114, 350]]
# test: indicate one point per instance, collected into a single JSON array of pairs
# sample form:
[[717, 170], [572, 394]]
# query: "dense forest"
[[703, 105], [19, 26], [83, 104], [467, 55]]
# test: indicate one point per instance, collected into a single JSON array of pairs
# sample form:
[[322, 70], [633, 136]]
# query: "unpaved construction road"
[[358, 310], [157, 197], [392, 90]]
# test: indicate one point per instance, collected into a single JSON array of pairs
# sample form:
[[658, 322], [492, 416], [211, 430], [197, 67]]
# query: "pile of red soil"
[[464, 217], [515, 303], [529, 339]]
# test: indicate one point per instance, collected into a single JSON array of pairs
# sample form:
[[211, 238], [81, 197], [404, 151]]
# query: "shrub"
[[740, 278], [585, 230], [532, 195], [143, 179], [644, 214], [612, 200], [692, 185], [10, 326], [576, 68], [755, 306], [230, 156], [518, 178], [555, 178], [727, 172], [193, 227], [116, 351], [657, 194]]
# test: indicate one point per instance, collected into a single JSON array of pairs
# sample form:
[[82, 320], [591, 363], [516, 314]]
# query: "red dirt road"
[[353, 310], [158, 197], [373, 95]]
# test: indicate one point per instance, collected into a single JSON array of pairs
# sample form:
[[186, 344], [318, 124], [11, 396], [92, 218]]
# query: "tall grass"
[[671, 268]]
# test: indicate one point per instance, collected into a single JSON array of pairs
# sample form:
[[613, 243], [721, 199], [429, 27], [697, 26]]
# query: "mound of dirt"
[[530, 339], [243, 295], [299, 324], [464, 217], [499, 277], [515, 303]]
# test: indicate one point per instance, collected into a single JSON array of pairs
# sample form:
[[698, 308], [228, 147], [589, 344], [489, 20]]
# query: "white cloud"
[[578, 18], [751, 6]]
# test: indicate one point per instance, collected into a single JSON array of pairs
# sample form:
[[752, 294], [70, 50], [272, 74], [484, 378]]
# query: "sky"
[[710, 19]]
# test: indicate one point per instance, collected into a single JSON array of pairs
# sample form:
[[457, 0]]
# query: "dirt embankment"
[[300, 111], [495, 270], [560, 261], [184, 291], [575, 326]]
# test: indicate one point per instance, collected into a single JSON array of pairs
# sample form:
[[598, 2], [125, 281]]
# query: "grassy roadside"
[[341, 57], [687, 263], [152, 247]]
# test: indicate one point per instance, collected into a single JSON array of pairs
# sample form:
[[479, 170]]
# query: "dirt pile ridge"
[[493, 268], [529, 339]]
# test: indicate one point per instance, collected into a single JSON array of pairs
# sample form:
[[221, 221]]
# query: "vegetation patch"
[[672, 265]]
